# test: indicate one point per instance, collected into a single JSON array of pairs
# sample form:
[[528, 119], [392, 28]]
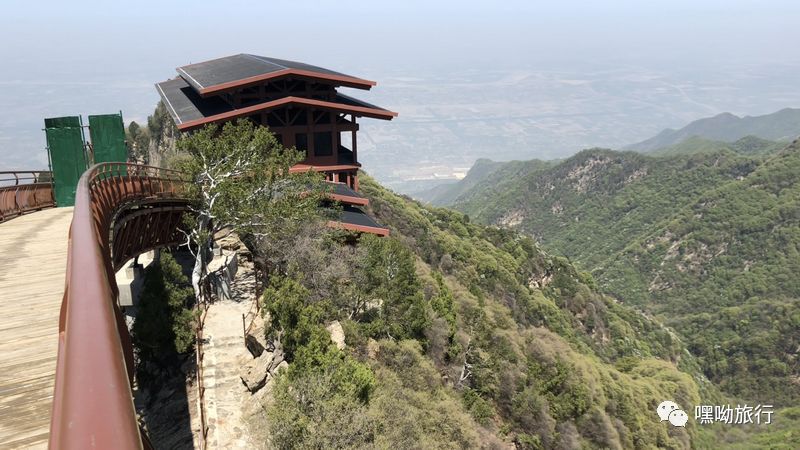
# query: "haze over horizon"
[[519, 80]]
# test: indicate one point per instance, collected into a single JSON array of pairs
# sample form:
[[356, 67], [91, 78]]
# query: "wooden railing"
[[121, 210], [24, 191]]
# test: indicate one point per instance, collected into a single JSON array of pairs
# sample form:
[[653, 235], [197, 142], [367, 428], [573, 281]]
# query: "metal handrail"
[[93, 401], [23, 191]]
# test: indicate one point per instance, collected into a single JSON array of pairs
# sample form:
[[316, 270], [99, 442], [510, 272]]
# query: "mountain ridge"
[[782, 125], [748, 145], [445, 193]]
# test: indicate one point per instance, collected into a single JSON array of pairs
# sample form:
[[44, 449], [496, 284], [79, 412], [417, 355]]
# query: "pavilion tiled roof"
[[353, 219], [192, 100]]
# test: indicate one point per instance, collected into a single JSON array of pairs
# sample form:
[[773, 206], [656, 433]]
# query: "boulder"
[[279, 367], [254, 374], [256, 337], [337, 334]]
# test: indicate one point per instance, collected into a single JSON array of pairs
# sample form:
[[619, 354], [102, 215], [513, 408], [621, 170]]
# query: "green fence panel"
[[67, 157], [108, 138], [61, 122]]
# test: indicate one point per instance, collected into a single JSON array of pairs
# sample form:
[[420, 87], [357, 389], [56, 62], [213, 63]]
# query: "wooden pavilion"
[[297, 101]]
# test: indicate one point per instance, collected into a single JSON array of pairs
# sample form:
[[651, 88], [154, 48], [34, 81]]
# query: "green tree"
[[164, 324], [390, 277], [138, 140], [240, 182], [160, 123], [321, 384]]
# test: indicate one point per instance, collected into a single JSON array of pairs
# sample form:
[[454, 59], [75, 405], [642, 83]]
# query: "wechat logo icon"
[[669, 410]]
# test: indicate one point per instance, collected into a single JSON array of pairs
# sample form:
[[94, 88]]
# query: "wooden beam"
[[355, 110], [340, 80], [355, 140]]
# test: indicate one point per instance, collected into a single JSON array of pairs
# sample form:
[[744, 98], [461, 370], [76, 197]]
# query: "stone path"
[[225, 352]]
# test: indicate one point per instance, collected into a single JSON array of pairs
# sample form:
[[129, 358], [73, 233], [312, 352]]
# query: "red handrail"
[[24, 191], [93, 403]]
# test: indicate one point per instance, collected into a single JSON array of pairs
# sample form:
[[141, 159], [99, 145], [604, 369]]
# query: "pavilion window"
[[323, 143], [301, 142]]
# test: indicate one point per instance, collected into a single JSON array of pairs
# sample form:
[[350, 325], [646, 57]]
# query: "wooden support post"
[[355, 142]]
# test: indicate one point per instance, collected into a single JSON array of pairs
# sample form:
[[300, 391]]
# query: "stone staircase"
[[225, 393]]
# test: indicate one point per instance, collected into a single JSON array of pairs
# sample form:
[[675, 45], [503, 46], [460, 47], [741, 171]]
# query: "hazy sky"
[[86, 57]]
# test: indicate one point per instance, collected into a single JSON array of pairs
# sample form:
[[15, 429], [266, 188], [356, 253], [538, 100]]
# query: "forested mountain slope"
[[707, 242], [592, 204], [724, 271], [465, 336], [484, 175]]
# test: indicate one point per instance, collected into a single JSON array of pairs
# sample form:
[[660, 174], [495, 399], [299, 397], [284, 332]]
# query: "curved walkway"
[[33, 259]]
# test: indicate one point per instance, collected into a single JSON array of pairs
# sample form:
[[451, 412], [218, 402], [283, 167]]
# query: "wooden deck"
[[33, 258]]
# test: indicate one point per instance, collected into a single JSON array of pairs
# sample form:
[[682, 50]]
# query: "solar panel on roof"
[[185, 104]]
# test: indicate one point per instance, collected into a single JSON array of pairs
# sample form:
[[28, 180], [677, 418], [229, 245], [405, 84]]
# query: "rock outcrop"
[[254, 374], [256, 337], [337, 334]]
